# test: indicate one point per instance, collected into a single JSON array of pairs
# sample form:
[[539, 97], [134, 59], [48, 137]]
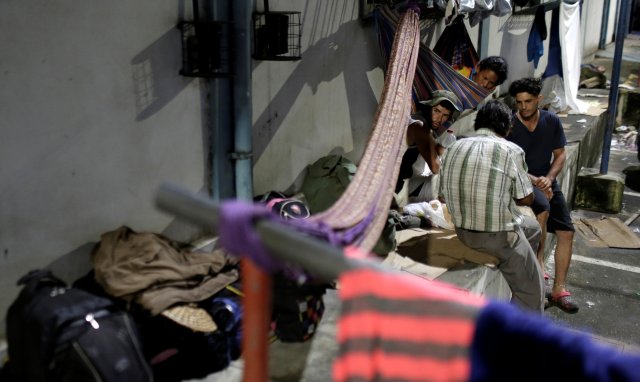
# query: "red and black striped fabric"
[[397, 327]]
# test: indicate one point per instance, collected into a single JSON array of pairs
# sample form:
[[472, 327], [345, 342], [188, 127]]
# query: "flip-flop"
[[565, 302]]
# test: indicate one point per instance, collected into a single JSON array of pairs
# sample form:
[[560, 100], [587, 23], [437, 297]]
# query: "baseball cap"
[[443, 95]]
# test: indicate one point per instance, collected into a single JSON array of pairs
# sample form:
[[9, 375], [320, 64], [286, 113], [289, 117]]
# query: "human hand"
[[542, 182]]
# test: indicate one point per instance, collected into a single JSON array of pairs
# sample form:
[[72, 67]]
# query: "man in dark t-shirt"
[[541, 136]]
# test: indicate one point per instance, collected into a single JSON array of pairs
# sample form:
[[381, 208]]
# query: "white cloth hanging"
[[571, 54], [514, 48]]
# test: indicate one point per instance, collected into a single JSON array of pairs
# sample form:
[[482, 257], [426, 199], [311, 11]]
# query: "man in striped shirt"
[[482, 180]]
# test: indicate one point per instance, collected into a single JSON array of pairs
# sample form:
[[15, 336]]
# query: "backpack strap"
[[38, 278]]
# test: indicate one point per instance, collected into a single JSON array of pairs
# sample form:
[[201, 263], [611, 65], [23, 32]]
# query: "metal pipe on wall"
[[622, 27], [219, 118], [242, 110], [256, 283], [604, 24]]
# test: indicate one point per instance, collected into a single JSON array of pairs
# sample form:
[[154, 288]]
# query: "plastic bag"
[[475, 5], [433, 210], [435, 213]]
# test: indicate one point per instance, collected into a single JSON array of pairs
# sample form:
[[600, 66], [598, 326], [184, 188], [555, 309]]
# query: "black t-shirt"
[[539, 144]]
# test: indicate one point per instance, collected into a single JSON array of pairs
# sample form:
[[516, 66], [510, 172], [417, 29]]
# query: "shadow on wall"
[[156, 77], [356, 60], [74, 264], [184, 231]]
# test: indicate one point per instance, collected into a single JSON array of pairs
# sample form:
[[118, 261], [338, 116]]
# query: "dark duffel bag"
[[56, 333]]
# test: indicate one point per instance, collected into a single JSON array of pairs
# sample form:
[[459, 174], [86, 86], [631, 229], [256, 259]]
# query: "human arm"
[[526, 201], [544, 182], [418, 134], [559, 157], [556, 141], [522, 191]]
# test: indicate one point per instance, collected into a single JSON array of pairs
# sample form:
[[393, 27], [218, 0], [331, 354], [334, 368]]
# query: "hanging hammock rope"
[[433, 73], [359, 215]]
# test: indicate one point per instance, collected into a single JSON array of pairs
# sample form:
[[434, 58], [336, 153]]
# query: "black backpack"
[[57, 333]]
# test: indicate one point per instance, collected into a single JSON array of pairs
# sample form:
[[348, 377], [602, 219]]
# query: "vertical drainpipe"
[[605, 24], [623, 22], [483, 38], [242, 109], [256, 283], [220, 116]]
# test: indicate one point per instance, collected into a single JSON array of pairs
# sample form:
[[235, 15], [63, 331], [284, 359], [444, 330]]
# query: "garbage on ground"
[[592, 76]]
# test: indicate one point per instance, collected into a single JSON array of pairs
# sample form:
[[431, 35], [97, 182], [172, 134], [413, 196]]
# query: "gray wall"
[[325, 102], [94, 117]]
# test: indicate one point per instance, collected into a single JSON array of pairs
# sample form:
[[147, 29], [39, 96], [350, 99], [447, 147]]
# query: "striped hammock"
[[359, 215], [456, 48], [433, 73]]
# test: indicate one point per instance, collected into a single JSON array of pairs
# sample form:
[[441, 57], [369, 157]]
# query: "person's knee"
[[543, 216], [540, 202]]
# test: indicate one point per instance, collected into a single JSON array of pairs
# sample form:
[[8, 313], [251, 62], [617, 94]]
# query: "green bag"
[[325, 182]]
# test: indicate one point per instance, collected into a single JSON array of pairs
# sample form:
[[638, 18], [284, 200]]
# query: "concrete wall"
[[304, 110], [94, 116], [591, 16]]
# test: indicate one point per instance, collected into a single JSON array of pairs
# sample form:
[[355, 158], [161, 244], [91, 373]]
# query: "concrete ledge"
[[478, 279], [598, 192]]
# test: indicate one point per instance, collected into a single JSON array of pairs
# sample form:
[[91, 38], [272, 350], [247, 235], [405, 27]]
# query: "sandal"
[[565, 302]]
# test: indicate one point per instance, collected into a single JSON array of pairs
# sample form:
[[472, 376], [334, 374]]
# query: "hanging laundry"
[[479, 10], [571, 54], [554, 63], [398, 328], [535, 46], [508, 340]]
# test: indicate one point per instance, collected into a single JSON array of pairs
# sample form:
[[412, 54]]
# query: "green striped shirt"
[[479, 178]]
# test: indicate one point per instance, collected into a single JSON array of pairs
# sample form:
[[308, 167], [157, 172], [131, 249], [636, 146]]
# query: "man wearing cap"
[[427, 139]]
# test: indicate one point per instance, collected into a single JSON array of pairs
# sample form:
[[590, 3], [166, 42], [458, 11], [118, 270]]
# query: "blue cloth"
[[554, 64], [539, 144], [535, 46], [513, 345]]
